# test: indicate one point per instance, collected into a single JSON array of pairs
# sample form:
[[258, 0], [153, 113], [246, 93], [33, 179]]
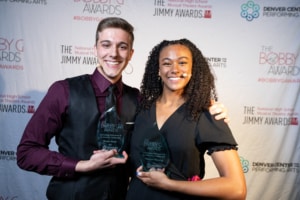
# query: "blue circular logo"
[[250, 10], [245, 164]]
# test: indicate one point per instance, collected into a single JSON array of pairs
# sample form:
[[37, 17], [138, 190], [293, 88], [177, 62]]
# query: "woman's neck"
[[171, 99]]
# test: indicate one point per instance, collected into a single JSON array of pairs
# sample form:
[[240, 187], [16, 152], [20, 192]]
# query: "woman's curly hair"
[[198, 93]]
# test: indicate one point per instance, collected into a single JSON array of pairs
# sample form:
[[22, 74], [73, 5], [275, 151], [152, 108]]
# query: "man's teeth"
[[112, 62]]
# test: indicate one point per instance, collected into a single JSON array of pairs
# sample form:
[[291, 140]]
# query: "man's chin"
[[113, 77]]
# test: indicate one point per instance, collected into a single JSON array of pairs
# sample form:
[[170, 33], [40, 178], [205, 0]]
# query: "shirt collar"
[[103, 84]]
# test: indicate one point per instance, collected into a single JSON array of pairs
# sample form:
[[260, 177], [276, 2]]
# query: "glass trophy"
[[111, 133], [155, 154]]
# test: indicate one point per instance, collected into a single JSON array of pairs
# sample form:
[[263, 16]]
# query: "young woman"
[[177, 90]]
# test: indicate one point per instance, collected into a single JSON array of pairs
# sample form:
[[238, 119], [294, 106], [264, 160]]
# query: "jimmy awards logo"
[[250, 11], [16, 104], [182, 9]]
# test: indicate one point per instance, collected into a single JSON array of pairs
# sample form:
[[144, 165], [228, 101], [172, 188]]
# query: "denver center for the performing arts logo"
[[250, 10]]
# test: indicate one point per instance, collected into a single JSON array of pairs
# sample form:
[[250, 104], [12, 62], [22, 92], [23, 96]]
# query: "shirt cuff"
[[67, 169]]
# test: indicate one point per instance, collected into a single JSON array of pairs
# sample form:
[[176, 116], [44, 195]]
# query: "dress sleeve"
[[214, 135], [33, 152]]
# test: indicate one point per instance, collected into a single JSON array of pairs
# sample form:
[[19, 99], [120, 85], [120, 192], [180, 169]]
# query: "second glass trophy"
[[155, 154]]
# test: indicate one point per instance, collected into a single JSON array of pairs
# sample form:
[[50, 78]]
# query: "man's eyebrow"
[[119, 43]]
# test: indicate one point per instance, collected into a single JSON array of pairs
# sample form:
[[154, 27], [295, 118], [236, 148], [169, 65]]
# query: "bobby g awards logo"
[[11, 53]]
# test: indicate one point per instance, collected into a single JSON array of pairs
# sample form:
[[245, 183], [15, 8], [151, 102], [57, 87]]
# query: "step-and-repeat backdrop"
[[253, 47]]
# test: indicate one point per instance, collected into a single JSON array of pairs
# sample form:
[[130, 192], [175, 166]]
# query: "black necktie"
[[110, 100]]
